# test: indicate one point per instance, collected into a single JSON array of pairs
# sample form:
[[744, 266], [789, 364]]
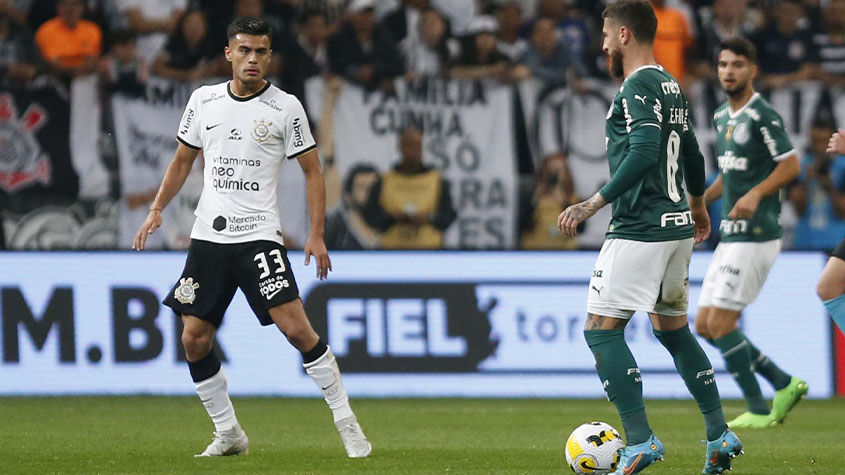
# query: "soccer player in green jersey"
[[644, 263], [756, 160]]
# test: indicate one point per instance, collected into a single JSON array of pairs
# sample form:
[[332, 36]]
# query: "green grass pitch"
[[414, 436]]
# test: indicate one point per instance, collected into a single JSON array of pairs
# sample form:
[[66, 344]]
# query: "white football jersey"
[[244, 141]]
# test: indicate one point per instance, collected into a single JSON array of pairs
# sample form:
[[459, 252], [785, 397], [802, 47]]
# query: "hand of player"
[[837, 143], [315, 246], [702, 223], [572, 216], [151, 223], [745, 206]]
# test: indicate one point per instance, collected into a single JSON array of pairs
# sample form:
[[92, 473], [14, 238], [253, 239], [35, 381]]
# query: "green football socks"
[[697, 372], [621, 379], [763, 366], [735, 350]]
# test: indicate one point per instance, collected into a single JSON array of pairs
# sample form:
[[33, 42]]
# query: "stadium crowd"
[[372, 43]]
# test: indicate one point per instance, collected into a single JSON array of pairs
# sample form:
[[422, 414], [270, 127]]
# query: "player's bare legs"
[[212, 388], [831, 289], [320, 364]]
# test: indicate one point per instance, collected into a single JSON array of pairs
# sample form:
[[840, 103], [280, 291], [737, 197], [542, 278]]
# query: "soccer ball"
[[593, 449]]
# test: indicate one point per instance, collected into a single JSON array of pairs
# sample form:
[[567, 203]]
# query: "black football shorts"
[[213, 272]]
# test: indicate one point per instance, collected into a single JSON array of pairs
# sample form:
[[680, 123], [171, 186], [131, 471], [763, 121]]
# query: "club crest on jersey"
[[185, 293], [740, 133], [261, 131]]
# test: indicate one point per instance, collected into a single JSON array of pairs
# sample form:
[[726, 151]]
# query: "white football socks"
[[326, 375], [215, 397]]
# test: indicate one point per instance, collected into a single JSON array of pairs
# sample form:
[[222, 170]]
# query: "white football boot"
[[230, 442], [356, 443]]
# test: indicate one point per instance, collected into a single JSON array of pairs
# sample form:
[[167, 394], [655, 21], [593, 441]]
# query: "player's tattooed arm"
[[572, 216], [597, 322]]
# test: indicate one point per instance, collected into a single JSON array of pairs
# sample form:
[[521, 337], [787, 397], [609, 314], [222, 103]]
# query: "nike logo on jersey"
[[209, 127], [640, 98]]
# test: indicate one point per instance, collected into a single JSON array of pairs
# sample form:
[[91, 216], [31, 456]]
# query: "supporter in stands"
[[69, 44], [15, 10], [363, 51], [17, 51], [306, 55], [123, 70], [480, 59], [346, 227], [187, 56], [672, 40], [547, 58], [570, 28], [819, 195], [152, 21], [432, 52], [830, 44], [508, 41], [785, 47], [553, 191], [334, 10], [412, 204], [726, 19], [404, 21]]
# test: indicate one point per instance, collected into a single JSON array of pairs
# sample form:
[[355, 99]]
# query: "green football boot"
[[788, 397], [749, 420]]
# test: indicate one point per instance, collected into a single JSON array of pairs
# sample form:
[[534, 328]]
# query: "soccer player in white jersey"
[[245, 128], [831, 286]]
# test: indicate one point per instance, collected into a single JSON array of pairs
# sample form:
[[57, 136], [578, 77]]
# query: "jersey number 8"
[[262, 262], [673, 149]]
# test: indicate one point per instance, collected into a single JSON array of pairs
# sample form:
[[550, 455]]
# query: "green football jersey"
[[749, 143], [655, 208]]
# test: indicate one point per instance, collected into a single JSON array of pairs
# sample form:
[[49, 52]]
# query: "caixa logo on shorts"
[[410, 327]]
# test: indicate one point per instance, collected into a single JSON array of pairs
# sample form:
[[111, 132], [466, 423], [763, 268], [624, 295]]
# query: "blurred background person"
[[346, 227], [412, 205], [480, 58], [123, 70], [362, 51], [434, 49], [553, 192], [785, 46], [153, 21], [724, 19], [70, 45], [547, 58], [508, 39], [187, 55], [404, 22], [819, 194], [306, 54], [830, 44], [672, 41], [18, 56]]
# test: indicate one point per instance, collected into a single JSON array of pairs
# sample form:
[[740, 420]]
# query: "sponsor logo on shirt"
[[726, 226], [235, 134], [186, 122], [271, 104], [729, 161], [298, 141], [213, 97], [678, 218]]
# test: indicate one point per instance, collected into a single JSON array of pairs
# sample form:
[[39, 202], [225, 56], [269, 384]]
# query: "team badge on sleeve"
[[186, 292], [261, 132]]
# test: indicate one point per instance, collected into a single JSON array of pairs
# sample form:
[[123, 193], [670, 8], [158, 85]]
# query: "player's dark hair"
[[249, 26], [355, 171], [637, 15], [823, 122], [309, 13], [740, 47]]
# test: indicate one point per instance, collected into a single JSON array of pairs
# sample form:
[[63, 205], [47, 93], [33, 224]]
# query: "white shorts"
[[737, 273], [647, 276]]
